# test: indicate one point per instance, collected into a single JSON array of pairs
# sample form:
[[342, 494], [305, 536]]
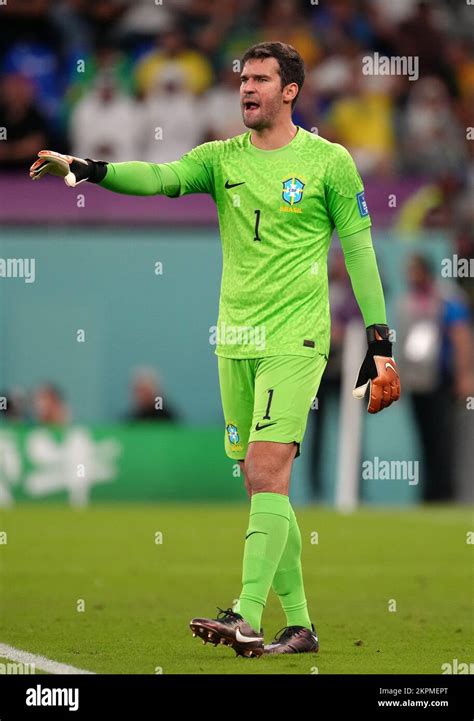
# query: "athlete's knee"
[[268, 468]]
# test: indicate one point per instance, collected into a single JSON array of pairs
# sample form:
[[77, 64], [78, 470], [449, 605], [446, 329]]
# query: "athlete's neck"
[[273, 138]]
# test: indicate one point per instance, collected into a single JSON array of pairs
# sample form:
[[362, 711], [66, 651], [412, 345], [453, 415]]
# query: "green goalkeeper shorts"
[[267, 399]]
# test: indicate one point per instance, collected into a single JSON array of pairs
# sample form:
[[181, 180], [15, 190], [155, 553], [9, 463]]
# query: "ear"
[[290, 92]]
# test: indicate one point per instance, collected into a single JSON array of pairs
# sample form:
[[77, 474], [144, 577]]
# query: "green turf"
[[139, 596]]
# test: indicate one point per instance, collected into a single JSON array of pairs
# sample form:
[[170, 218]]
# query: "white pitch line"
[[44, 664]]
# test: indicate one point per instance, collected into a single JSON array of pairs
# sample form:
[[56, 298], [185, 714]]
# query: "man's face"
[[261, 94], [418, 277]]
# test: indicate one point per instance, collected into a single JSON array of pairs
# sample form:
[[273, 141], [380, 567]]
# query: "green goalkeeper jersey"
[[277, 210]]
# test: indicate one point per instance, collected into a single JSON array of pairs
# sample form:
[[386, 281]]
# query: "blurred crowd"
[[137, 79], [46, 404], [122, 79], [104, 78]]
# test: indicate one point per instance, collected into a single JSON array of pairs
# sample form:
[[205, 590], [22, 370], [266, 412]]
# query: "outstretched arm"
[[193, 173], [138, 178]]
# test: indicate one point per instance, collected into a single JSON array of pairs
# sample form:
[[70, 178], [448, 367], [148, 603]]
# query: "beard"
[[254, 119], [261, 117]]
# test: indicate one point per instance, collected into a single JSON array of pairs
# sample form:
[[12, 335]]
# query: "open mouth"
[[250, 105]]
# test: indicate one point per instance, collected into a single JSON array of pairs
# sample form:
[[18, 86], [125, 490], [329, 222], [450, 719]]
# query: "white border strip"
[[40, 662]]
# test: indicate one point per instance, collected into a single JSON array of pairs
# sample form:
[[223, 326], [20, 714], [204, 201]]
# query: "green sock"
[[288, 579], [266, 538]]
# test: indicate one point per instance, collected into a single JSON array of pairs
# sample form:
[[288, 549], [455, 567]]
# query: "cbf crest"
[[234, 437], [292, 190]]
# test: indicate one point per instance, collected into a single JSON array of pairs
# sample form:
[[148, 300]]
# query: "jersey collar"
[[289, 146]]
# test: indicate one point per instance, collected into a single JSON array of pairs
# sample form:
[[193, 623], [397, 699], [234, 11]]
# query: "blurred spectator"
[[107, 62], [144, 19], [421, 35], [465, 113], [306, 111], [435, 357], [171, 120], [148, 403], [460, 55], [363, 121], [220, 109], [26, 128], [104, 123], [28, 21], [436, 204], [333, 74], [95, 21], [15, 410], [394, 13], [173, 53], [446, 212], [30, 46], [49, 405], [464, 248], [431, 137], [335, 22], [284, 20]]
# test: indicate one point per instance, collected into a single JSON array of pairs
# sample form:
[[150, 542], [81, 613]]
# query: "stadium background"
[[123, 80]]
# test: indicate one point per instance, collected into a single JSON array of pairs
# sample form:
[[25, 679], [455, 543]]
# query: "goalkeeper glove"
[[378, 371], [73, 170]]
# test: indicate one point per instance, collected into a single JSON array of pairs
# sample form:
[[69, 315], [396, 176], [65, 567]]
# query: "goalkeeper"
[[280, 191]]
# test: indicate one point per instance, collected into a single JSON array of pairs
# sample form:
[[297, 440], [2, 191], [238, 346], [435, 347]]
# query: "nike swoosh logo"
[[251, 534], [258, 427], [389, 365], [233, 185], [245, 639]]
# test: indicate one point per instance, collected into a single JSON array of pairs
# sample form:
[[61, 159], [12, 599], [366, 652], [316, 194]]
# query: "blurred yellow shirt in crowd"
[[298, 37], [195, 70], [364, 122], [465, 78]]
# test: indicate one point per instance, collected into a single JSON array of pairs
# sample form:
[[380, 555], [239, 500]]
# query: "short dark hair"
[[290, 62]]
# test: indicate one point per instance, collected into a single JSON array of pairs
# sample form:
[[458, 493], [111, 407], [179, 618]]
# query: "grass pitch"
[[112, 589]]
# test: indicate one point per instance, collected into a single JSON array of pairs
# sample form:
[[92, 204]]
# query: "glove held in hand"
[[378, 371]]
